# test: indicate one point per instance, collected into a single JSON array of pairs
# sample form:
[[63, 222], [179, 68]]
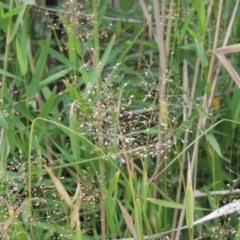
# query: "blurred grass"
[[101, 107]]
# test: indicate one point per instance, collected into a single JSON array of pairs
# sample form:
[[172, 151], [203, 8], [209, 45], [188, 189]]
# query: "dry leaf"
[[61, 190], [127, 219], [228, 67], [225, 50], [77, 200]]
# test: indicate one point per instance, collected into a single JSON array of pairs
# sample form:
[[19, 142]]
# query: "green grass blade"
[[21, 60], [196, 36], [113, 185], [213, 142], [13, 12], [166, 204], [46, 109], [74, 139], [3, 122], [96, 73], [8, 74], [130, 45], [216, 167], [73, 47], [201, 53], [201, 17], [185, 25], [235, 106], [37, 76], [17, 23], [53, 78], [189, 201]]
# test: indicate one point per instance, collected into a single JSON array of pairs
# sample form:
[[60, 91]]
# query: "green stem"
[[7, 51], [102, 167]]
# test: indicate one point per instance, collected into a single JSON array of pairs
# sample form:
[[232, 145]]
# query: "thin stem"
[[102, 168], [6, 55]]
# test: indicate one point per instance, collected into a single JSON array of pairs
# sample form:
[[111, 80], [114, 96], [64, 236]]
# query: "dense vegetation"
[[119, 119]]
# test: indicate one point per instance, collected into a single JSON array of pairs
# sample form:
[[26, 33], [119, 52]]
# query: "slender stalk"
[[4, 88], [130, 168], [131, 174], [95, 4], [148, 18], [185, 115], [7, 51], [169, 27], [95, 30], [162, 74]]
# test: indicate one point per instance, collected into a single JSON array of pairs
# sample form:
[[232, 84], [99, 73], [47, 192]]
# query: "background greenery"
[[119, 119]]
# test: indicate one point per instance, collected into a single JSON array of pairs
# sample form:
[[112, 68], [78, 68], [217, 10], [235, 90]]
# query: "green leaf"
[[200, 110], [20, 58], [85, 76], [152, 45], [53, 78], [201, 17], [235, 107], [189, 198], [113, 185], [196, 36], [150, 131], [48, 105], [74, 138], [37, 76], [213, 142], [29, 2], [201, 53], [37, 168], [110, 213], [24, 38], [130, 45], [3, 122], [208, 87], [102, 9], [13, 12], [61, 58], [73, 47], [3, 72], [216, 168], [138, 217], [168, 204], [3, 22], [20, 19], [185, 25], [144, 191], [96, 73], [190, 46], [73, 92]]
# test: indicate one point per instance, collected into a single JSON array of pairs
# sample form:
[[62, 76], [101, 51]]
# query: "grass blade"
[[189, 201], [74, 139], [228, 67], [201, 17], [167, 204], [60, 188], [113, 185], [213, 142], [128, 219], [95, 75], [37, 75]]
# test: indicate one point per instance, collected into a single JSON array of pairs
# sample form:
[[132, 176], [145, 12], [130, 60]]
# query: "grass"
[[119, 120]]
